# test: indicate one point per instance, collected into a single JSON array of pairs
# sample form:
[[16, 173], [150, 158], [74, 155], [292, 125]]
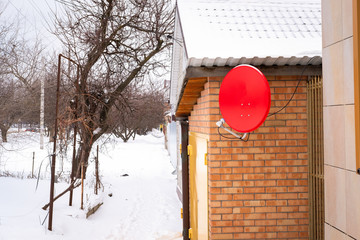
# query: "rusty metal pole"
[[52, 183], [74, 145], [33, 162], [82, 185], [97, 181]]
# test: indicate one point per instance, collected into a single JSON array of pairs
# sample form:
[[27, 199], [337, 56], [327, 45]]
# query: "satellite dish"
[[244, 98]]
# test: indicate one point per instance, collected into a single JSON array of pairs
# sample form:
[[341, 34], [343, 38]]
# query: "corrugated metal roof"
[[255, 61], [250, 28]]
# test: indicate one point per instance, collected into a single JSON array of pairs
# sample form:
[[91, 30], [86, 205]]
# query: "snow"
[[251, 28], [96, 131], [139, 194]]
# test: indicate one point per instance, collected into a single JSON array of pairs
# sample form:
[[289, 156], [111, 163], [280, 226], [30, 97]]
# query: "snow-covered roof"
[[224, 29], [217, 33]]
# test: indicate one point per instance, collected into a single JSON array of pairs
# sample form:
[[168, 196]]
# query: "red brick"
[[286, 182], [286, 196], [254, 190], [222, 236], [286, 143], [244, 210], [275, 163], [264, 170], [296, 149], [244, 236], [227, 204], [265, 222], [257, 176], [285, 130], [214, 177], [232, 216], [275, 150], [288, 234], [243, 196], [265, 156], [298, 215], [264, 143], [288, 209], [215, 229], [243, 183], [243, 170], [298, 228], [232, 190], [221, 197], [275, 176], [276, 229], [214, 157], [254, 150], [253, 163], [221, 223], [276, 189], [214, 190], [232, 177], [287, 169], [286, 156], [232, 229], [276, 203], [265, 196], [231, 164], [220, 183], [265, 209], [298, 189], [297, 202], [265, 183], [254, 203], [266, 235], [276, 215], [221, 210], [242, 157], [254, 229], [243, 223], [255, 216]]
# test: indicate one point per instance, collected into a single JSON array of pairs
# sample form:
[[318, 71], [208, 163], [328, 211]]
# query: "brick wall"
[[257, 189]]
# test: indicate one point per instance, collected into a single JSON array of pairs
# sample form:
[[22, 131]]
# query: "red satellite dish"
[[244, 98]]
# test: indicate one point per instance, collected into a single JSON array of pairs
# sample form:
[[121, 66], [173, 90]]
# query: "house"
[[271, 186], [341, 107]]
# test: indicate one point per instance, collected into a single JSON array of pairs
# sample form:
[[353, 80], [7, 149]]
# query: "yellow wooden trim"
[[198, 186], [190, 233], [199, 135], [189, 150], [356, 32]]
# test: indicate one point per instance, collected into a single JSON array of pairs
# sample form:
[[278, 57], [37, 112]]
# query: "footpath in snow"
[[138, 175]]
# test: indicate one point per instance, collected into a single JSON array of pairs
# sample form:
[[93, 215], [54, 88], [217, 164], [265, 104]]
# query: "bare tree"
[[19, 73], [116, 43], [138, 112]]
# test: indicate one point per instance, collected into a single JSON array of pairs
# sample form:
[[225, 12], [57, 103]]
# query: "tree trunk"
[[83, 153], [4, 131], [51, 134]]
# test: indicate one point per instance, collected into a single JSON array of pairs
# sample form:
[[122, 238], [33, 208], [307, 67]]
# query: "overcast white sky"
[[35, 16]]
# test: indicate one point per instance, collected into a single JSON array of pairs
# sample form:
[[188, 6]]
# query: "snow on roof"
[[250, 28]]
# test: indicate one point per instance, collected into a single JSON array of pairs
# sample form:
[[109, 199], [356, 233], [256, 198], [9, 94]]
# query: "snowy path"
[[147, 195], [143, 205]]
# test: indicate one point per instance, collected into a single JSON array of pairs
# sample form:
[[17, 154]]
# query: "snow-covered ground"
[[140, 206]]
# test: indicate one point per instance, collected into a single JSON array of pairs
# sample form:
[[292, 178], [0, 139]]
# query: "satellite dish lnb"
[[244, 99]]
